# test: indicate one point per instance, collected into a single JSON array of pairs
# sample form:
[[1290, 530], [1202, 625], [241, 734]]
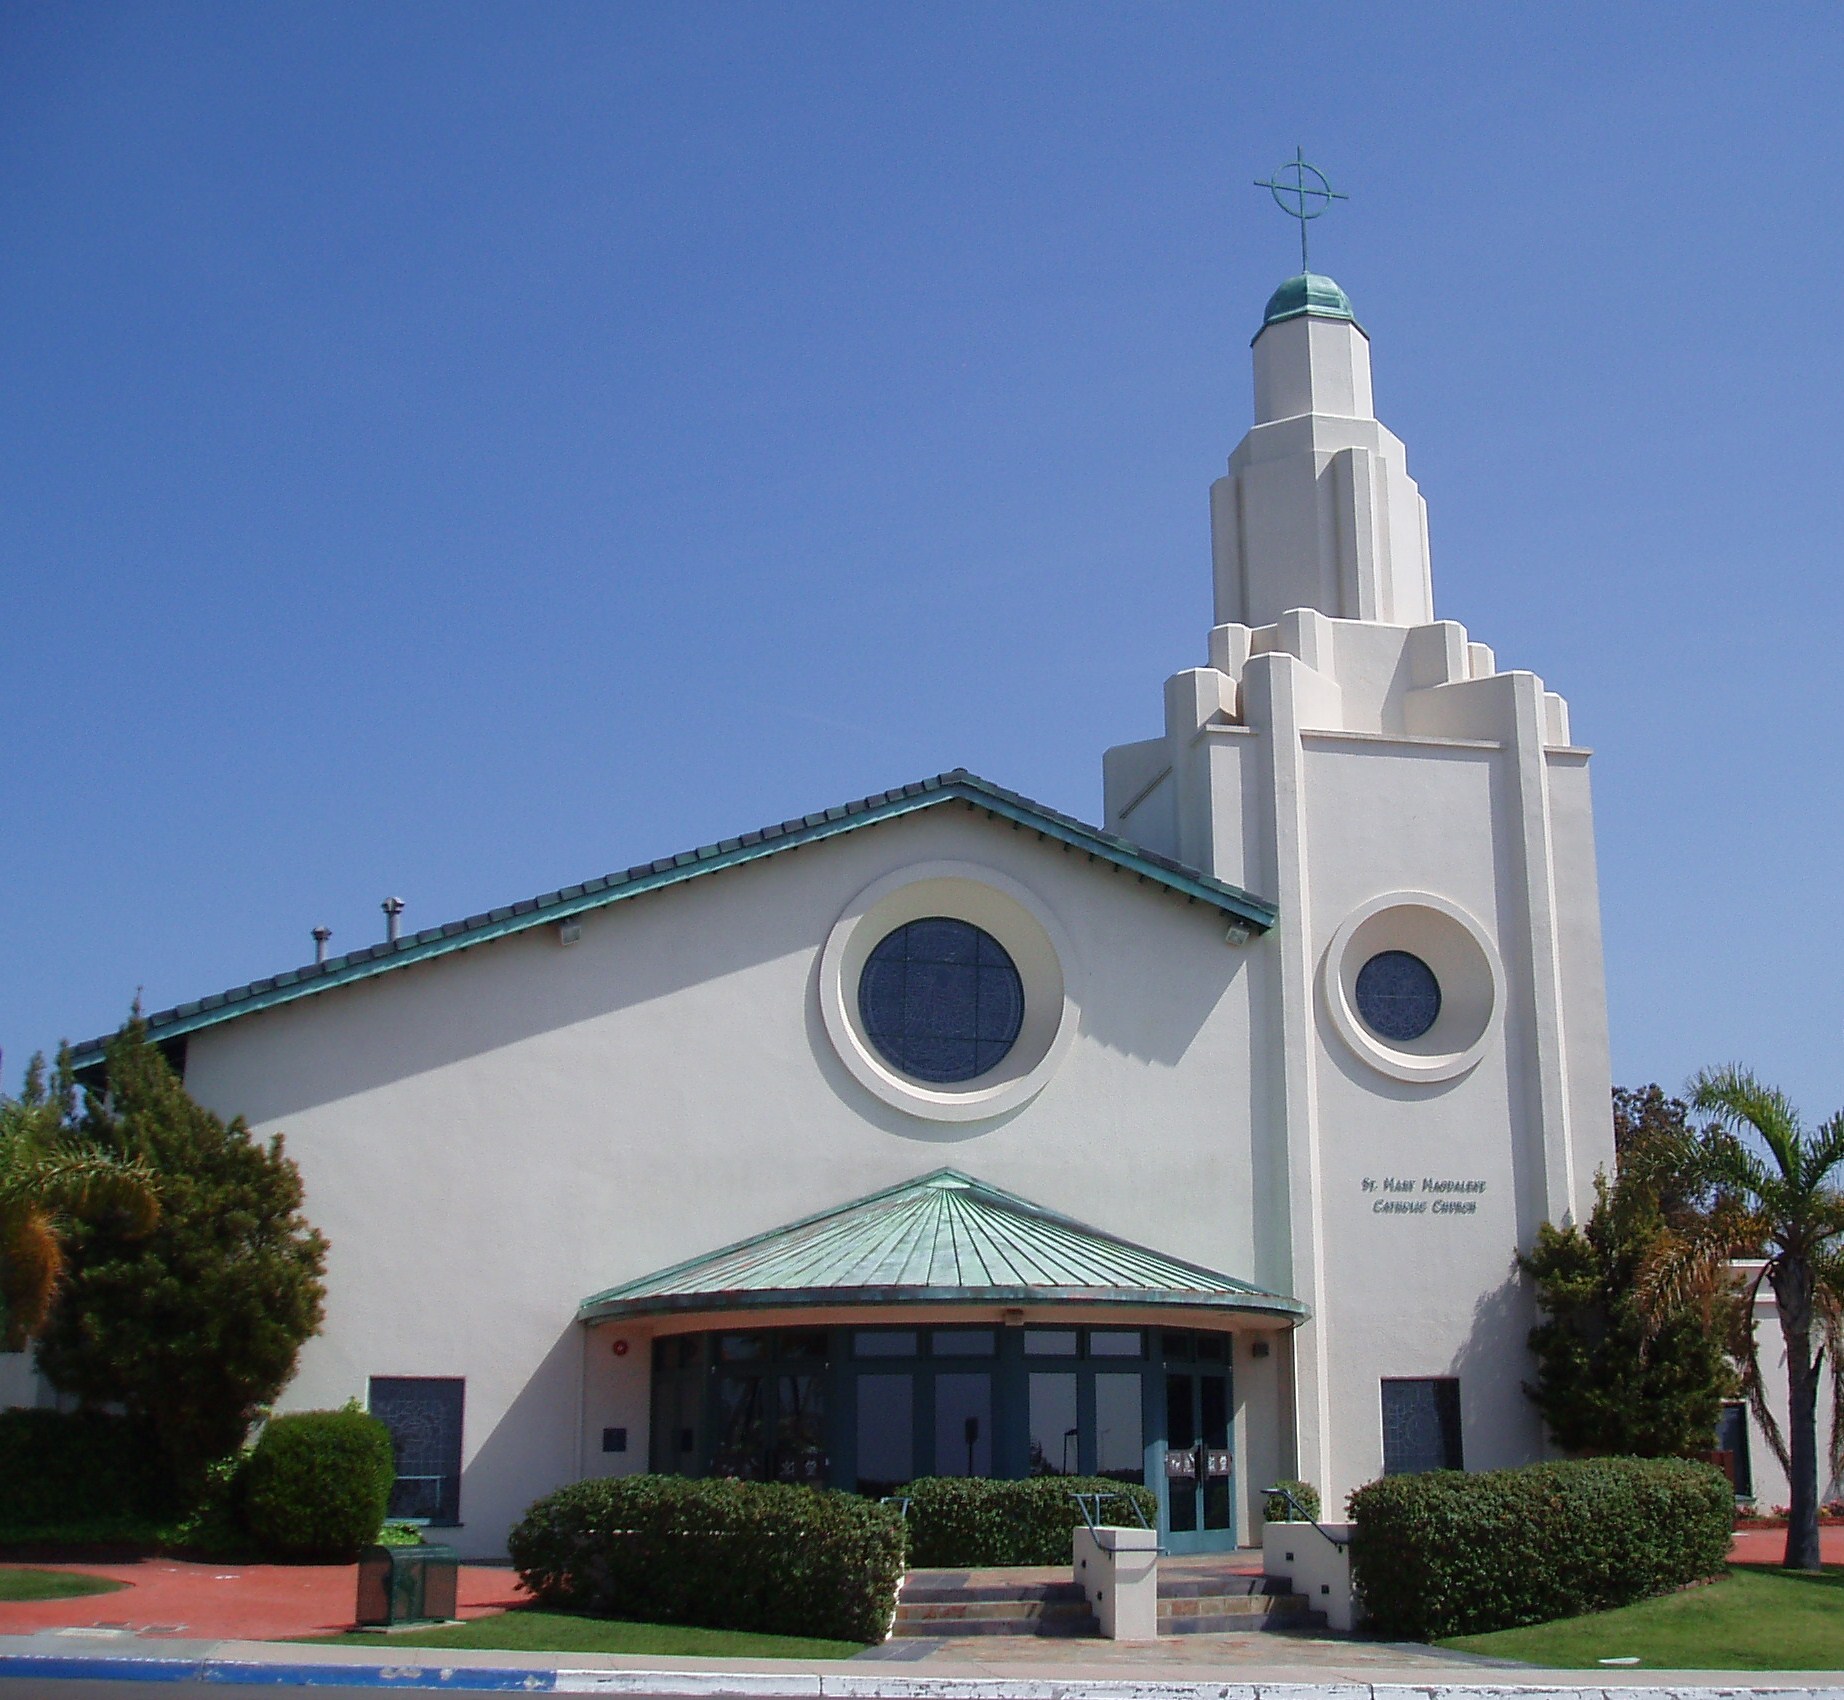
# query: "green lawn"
[[52, 1584], [526, 1630], [1758, 1618]]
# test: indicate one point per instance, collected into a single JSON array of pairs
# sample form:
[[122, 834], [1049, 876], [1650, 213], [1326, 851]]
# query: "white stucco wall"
[[488, 1138], [1348, 767]]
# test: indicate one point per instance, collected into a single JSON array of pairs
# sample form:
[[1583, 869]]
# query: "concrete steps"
[[945, 1603], [928, 1607], [1229, 1605]]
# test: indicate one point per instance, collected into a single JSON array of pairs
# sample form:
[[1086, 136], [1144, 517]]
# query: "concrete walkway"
[[39, 1665]]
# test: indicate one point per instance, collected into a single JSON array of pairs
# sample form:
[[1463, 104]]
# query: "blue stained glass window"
[[941, 1000], [1421, 1426], [1398, 996], [423, 1414]]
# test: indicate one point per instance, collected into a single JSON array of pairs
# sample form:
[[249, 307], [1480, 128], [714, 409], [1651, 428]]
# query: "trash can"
[[399, 1585]]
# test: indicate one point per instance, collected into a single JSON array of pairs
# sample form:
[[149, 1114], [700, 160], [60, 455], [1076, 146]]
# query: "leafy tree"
[[1611, 1378], [1766, 1191], [196, 1325], [49, 1177]]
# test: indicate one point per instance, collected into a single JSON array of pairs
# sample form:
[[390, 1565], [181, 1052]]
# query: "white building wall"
[[1342, 762], [490, 1137]]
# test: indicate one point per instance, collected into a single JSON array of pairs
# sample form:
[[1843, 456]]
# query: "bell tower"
[[1426, 1074], [1317, 509]]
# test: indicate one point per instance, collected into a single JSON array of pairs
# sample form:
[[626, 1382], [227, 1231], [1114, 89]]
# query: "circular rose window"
[[1397, 996], [941, 1000], [947, 990], [1413, 985]]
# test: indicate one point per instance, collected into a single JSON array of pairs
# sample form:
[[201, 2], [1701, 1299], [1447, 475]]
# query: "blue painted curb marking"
[[477, 1679]]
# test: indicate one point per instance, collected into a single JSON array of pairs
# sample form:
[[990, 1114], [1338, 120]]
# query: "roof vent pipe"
[[321, 935], [392, 907]]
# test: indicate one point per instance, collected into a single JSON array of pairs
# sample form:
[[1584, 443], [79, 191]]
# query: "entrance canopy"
[[944, 1238]]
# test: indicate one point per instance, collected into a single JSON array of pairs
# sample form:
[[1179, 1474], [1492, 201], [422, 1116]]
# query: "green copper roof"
[[1309, 293], [958, 786], [942, 1239]]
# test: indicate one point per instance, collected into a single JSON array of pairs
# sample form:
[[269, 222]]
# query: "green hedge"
[[1455, 1554], [62, 1468], [1275, 1509], [957, 1521], [318, 1484], [722, 1554]]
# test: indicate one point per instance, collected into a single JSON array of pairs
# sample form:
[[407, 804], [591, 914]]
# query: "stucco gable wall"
[[489, 1137]]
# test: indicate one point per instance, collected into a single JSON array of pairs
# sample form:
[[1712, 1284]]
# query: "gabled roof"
[[944, 1238], [957, 786]]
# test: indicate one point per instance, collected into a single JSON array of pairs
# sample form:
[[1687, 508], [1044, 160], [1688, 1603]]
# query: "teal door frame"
[[1191, 1408]]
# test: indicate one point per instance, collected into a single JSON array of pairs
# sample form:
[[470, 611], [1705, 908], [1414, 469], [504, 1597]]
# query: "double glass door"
[[1198, 1464]]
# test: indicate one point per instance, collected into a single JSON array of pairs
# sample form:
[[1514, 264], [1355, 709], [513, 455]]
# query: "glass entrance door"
[[1199, 1469]]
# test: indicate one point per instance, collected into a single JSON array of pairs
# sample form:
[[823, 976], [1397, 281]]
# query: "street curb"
[[802, 1685]]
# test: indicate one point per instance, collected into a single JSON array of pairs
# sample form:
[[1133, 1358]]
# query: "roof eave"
[[885, 1298], [455, 936]]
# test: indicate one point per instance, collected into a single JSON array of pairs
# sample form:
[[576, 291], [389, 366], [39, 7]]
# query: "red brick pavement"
[[230, 1602], [1768, 1546]]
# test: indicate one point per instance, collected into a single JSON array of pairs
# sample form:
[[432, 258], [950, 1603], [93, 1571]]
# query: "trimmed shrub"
[[722, 1554], [61, 1468], [1275, 1509], [318, 1484], [1455, 1554], [958, 1521]]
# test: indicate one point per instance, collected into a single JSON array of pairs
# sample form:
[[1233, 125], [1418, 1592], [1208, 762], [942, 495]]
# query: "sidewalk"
[[47, 1660]]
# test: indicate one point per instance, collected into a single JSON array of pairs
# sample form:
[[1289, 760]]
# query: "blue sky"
[[456, 450]]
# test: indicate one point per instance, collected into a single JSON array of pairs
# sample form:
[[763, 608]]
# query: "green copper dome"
[[1307, 293]]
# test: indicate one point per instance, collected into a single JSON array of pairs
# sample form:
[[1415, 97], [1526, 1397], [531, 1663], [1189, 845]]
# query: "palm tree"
[[1767, 1193], [49, 1174]]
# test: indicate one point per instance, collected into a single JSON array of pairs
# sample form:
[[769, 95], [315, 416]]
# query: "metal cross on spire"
[[1307, 196]]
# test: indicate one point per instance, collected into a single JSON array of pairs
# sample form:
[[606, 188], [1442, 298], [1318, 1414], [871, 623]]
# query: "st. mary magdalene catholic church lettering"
[[1192, 1149]]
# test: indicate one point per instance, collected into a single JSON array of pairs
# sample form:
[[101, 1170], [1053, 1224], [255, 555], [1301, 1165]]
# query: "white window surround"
[[1455, 946], [1032, 937]]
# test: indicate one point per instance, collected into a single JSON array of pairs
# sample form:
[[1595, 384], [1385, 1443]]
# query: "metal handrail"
[[1090, 1506], [1305, 1516], [900, 1501]]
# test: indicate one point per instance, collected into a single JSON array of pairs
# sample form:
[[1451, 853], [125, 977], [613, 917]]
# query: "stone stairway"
[[1194, 1599], [986, 1602], [1230, 1603]]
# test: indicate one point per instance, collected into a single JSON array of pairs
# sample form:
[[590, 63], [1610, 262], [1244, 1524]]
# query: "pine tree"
[[1610, 1377], [194, 1326]]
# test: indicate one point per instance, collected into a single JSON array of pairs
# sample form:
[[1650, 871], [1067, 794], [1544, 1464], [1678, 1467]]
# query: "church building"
[[941, 1133]]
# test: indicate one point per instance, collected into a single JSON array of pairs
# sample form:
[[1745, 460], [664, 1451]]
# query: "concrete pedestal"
[[1118, 1569]]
